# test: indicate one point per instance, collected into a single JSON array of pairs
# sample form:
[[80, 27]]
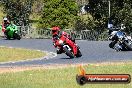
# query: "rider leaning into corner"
[[56, 33], [5, 24], [112, 33]]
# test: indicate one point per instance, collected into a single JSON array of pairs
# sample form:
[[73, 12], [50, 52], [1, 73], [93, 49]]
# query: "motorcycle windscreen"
[[120, 34]]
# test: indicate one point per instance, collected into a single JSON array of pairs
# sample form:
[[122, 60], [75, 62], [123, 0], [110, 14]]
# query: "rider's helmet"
[[5, 19], [55, 30], [122, 26]]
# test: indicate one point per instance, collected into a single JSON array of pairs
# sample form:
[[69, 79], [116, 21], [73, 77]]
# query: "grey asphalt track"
[[93, 52]]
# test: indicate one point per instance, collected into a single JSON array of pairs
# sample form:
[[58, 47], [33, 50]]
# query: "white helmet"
[[122, 24], [5, 19]]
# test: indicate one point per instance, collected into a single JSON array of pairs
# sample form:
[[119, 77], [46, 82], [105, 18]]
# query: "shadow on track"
[[67, 58]]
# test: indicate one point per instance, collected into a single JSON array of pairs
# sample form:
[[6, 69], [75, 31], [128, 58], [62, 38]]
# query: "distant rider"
[[112, 34], [5, 24]]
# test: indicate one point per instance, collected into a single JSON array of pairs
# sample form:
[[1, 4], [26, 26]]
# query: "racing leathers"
[[56, 38]]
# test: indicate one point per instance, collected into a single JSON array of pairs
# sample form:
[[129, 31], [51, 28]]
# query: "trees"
[[121, 12], [61, 13], [18, 10]]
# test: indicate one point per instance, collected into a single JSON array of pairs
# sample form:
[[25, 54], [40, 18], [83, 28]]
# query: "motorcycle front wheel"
[[68, 53]]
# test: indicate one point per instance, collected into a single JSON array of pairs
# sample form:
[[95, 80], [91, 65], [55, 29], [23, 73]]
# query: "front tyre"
[[7, 37], [68, 53], [6, 34], [117, 48], [112, 44]]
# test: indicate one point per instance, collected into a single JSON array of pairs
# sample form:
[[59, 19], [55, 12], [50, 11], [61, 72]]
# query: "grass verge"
[[15, 54], [63, 77]]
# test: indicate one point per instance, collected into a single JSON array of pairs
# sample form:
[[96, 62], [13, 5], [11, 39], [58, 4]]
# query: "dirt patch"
[[24, 68], [16, 69], [56, 66]]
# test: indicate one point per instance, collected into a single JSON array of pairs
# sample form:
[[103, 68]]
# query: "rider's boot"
[[112, 44], [59, 51]]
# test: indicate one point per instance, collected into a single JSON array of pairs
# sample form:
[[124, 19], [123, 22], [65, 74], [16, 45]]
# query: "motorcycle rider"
[[5, 24], [113, 36], [110, 26], [56, 34]]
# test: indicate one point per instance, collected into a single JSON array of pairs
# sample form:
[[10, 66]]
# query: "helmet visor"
[[54, 32], [5, 20]]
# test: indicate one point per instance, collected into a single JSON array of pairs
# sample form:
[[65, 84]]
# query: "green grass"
[[62, 78], [15, 54]]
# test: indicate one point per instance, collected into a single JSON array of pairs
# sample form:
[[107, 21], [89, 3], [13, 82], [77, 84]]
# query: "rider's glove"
[[110, 37], [54, 45]]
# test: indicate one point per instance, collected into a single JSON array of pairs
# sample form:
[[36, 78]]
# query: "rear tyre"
[[79, 54], [68, 53], [16, 36], [129, 45]]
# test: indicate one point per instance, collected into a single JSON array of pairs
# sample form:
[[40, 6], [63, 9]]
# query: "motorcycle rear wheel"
[[129, 46], [16, 36], [79, 54]]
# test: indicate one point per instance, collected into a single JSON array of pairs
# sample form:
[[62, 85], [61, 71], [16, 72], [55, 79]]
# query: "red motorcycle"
[[68, 47]]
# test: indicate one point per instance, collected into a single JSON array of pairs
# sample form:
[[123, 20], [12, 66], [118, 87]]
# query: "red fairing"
[[3, 27], [62, 34], [66, 34], [69, 42]]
